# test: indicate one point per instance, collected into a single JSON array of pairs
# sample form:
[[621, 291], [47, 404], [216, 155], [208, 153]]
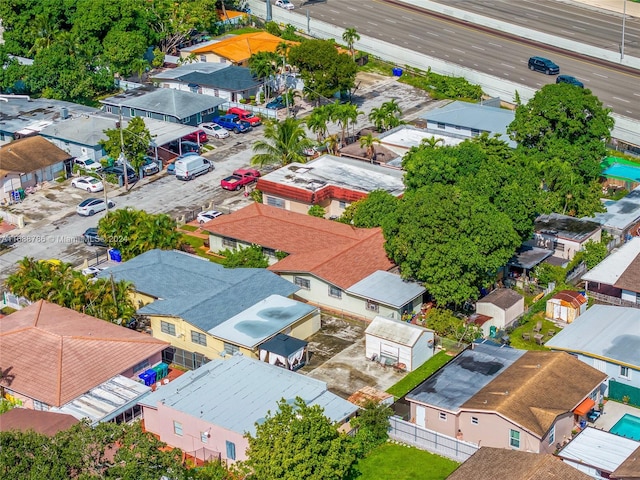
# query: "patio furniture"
[[526, 336], [538, 338], [593, 415], [551, 333], [538, 327]]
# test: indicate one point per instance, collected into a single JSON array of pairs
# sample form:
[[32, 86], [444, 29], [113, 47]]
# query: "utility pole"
[[624, 19], [123, 158]]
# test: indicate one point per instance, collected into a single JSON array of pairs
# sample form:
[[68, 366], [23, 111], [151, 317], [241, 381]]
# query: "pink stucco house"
[[508, 398], [207, 411]]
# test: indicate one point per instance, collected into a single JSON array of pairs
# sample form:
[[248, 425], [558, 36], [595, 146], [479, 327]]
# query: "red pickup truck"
[[245, 115], [240, 178]]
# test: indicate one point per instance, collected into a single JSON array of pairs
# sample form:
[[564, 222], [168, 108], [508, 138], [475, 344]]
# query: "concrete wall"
[[412, 357]]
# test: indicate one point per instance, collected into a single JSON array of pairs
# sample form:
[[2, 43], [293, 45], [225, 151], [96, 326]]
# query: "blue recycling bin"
[[397, 72], [148, 377], [114, 255]]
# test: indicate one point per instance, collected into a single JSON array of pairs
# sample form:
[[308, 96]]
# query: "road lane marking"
[[508, 66], [621, 99], [374, 24], [416, 37], [449, 31], [458, 50], [433, 34], [600, 75], [477, 48], [495, 44], [390, 21]]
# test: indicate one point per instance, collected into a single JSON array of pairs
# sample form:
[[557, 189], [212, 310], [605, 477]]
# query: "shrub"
[[317, 211]]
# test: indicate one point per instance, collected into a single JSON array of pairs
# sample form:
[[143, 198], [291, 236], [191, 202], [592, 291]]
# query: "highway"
[[473, 48]]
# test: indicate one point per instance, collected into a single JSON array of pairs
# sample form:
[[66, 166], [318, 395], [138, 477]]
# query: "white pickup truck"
[[88, 164]]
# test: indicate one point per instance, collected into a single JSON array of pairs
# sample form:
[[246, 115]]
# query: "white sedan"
[[90, 184], [91, 206], [204, 217], [286, 4], [214, 130]]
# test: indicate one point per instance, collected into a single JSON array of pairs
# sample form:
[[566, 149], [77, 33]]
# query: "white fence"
[[13, 301], [433, 442]]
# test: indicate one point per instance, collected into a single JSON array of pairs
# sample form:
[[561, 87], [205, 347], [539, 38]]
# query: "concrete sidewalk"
[[618, 6]]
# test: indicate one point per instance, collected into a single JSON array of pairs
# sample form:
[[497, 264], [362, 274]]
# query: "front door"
[[421, 416]]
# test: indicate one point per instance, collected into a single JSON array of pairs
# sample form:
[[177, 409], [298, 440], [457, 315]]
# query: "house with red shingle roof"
[[337, 266], [56, 359]]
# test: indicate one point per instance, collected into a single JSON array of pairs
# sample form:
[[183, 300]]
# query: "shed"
[[566, 306], [396, 342], [285, 351], [503, 304]]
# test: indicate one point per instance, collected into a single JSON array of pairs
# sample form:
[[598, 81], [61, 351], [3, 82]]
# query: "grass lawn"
[[398, 462], [516, 336], [415, 378], [189, 228], [196, 243]]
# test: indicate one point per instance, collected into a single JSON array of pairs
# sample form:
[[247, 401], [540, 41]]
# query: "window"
[[203, 58], [443, 416], [230, 348], [229, 242], [177, 428], [335, 292], [474, 420], [141, 366], [302, 282], [37, 405], [372, 306], [342, 205], [514, 438], [231, 450], [204, 437], [441, 125], [475, 132], [275, 202], [132, 112], [169, 328], [552, 435], [269, 252], [199, 338], [624, 372]]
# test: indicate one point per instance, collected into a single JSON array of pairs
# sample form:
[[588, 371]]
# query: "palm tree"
[[350, 36], [352, 113], [317, 122], [283, 143], [44, 29], [263, 66], [368, 142], [378, 116], [332, 142], [432, 142]]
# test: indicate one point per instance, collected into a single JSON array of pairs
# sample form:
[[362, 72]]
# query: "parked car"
[[232, 123], [91, 238], [277, 103], [90, 184], [91, 206], [117, 170], [88, 164], [199, 136], [92, 271], [150, 166], [184, 146], [171, 169], [570, 80], [188, 167], [540, 64], [214, 130], [204, 217], [286, 4], [245, 115]]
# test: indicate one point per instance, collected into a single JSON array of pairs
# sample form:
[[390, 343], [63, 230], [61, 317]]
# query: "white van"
[[189, 166]]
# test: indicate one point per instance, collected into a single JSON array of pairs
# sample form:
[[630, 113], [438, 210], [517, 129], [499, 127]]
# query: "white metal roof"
[[609, 270], [395, 331], [387, 288], [597, 448]]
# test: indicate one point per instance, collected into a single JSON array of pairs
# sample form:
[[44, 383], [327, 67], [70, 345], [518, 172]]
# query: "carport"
[[164, 133]]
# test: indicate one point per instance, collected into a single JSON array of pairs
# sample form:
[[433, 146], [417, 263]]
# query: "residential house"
[[220, 80], [44, 423], [628, 469], [504, 306], [207, 311], [607, 338], [497, 463], [234, 50], [64, 361], [565, 306], [399, 343], [208, 411], [27, 162], [507, 398], [164, 104], [597, 453], [564, 235], [22, 116], [332, 182], [471, 119], [616, 280], [622, 217], [327, 260]]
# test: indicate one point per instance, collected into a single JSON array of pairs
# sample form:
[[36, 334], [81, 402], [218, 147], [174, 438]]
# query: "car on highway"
[[286, 4], [277, 103], [91, 238], [214, 130], [570, 80], [88, 164], [544, 65], [91, 206], [90, 184], [204, 217]]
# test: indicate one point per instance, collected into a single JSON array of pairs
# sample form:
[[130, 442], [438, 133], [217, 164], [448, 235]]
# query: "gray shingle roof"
[[238, 392], [203, 293], [387, 288], [232, 78]]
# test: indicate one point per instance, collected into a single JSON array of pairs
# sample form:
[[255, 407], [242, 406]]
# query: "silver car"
[[214, 130]]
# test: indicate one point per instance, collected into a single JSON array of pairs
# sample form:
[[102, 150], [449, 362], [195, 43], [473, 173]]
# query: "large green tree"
[[297, 442], [372, 211], [134, 141], [450, 239], [135, 231], [324, 70], [248, 257], [283, 143]]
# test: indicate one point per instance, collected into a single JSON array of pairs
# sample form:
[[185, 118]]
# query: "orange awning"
[[584, 407]]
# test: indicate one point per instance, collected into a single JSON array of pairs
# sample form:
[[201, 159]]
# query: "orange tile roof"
[[240, 48], [230, 14], [338, 253], [56, 354]]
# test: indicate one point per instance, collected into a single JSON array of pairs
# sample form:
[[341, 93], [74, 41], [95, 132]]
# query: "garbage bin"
[[114, 255], [397, 72], [492, 331]]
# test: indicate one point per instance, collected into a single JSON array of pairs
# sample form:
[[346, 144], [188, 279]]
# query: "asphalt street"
[[467, 46]]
